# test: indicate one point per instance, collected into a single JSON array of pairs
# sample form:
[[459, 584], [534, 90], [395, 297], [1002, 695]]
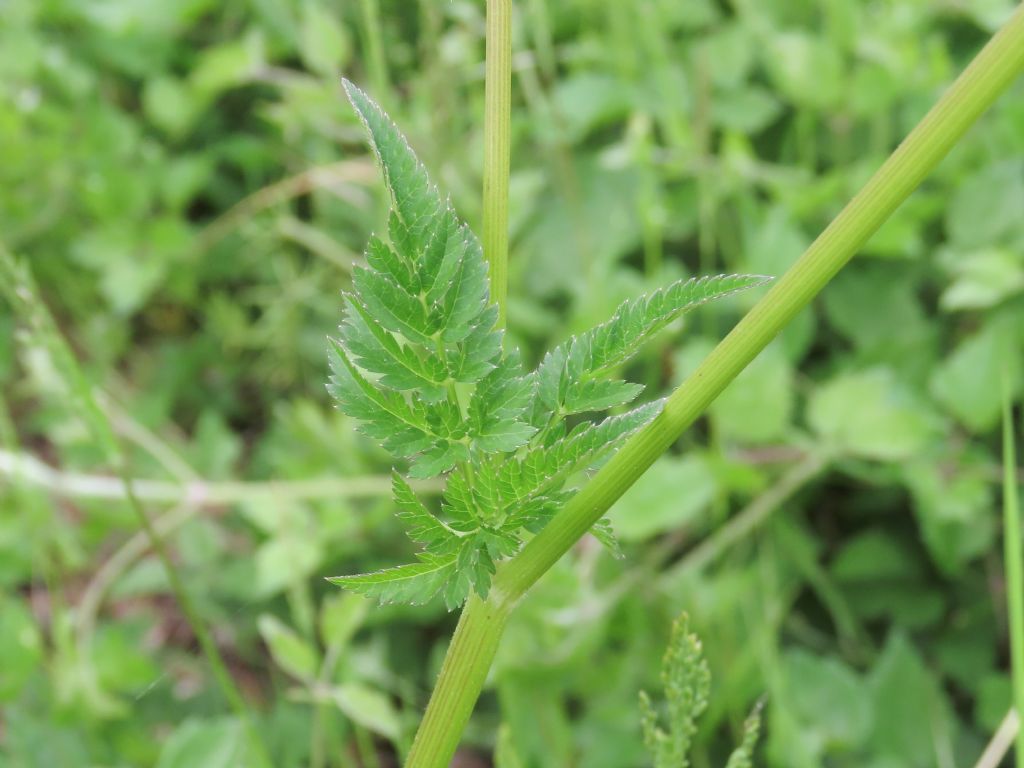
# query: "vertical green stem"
[[373, 39], [1014, 568], [497, 147], [476, 640]]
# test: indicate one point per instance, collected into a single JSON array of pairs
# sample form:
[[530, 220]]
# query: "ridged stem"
[[497, 147], [462, 676]]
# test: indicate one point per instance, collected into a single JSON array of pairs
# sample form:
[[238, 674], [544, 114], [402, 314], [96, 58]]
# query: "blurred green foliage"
[[190, 191]]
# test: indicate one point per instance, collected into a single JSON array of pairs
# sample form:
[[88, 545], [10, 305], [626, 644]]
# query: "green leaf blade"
[[569, 369], [414, 583], [422, 526], [374, 349], [385, 415], [392, 306], [416, 200]]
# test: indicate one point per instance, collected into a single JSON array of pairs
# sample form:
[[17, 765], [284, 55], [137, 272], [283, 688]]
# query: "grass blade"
[[1014, 567]]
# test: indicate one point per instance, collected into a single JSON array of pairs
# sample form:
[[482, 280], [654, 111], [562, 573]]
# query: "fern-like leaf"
[[385, 415], [419, 362], [743, 755], [535, 472], [686, 681], [416, 200]]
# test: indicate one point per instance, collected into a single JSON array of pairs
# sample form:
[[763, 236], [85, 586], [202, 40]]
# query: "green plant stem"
[[462, 674], [373, 39], [1014, 565], [482, 622], [497, 147], [469, 657]]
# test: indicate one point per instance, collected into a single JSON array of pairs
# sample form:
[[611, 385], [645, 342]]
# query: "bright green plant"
[[182, 208], [686, 681], [449, 397]]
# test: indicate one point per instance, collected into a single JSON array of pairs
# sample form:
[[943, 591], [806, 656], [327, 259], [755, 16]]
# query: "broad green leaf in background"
[[747, 110], [21, 648], [875, 306], [293, 654], [807, 69], [968, 382], [204, 744], [228, 64], [882, 577], [325, 45], [170, 105], [986, 206], [368, 707], [953, 510], [671, 495], [758, 406], [982, 278], [994, 699], [873, 415], [829, 700], [911, 716], [121, 665], [283, 559], [341, 616]]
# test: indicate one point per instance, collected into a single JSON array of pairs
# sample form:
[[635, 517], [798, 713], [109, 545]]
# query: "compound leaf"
[[377, 351], [420, 363]]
